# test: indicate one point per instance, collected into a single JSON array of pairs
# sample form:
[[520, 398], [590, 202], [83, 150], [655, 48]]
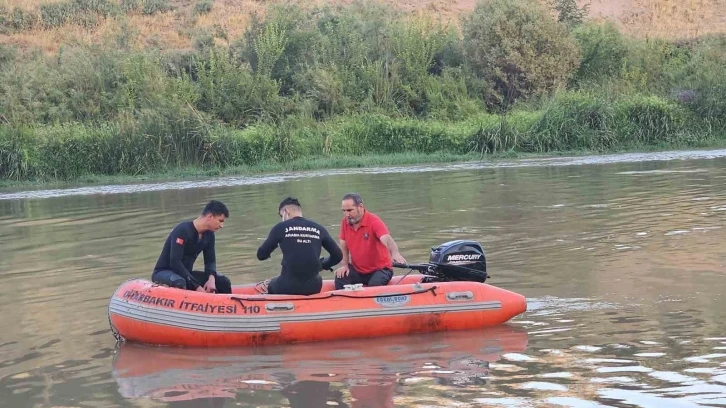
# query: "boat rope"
[[331, 294], [114, 330], [409, 271]]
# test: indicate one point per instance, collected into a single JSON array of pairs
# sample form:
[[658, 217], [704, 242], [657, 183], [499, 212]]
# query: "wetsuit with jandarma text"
[[300, 241]]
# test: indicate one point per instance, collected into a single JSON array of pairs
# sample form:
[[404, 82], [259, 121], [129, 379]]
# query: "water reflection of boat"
[[303, 373]]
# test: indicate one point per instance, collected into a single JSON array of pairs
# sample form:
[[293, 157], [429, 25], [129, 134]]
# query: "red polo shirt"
[[367, 252]]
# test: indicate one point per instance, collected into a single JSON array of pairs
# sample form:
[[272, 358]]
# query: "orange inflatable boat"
[[448, 294], [371, 368]]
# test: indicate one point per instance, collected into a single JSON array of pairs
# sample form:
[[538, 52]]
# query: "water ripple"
[[282, 177]]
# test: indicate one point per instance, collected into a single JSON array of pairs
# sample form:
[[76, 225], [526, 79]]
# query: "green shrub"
[[156, 6], [576, 121], [128, 6], [203, 6], [603, 52], [17, 20], [520, 47], [649, 65], [646, 120], [15, 146], [569, 13], [448, 96], [701, 85], [56, 14], [203, 42], [83, 12], [7, 54], [229, 91]]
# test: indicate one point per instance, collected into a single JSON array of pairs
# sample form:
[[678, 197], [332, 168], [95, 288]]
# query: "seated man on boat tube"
[[182, 247], [300, 241], [368, 248]]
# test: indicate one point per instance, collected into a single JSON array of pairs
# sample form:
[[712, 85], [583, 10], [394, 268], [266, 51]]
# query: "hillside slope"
[[177, 27]]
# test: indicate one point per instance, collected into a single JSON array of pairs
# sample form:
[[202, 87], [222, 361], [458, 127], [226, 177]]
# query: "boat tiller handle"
[[416, 267]]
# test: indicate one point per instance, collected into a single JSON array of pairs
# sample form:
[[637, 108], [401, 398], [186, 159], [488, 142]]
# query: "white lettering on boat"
[[395, 300]]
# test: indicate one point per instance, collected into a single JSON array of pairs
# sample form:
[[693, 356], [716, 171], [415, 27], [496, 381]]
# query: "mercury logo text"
[[469, 257]]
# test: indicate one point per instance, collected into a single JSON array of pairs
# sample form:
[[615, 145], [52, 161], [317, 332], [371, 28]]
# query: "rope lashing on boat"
[[330, 295], [114, 330]]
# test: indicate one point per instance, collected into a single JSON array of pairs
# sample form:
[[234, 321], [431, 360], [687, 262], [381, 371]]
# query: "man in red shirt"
[[368, 249]]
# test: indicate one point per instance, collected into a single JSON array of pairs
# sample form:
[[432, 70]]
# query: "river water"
[[621, 259]]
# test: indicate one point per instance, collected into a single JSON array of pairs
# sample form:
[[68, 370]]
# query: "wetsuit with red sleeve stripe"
[[181, 249]]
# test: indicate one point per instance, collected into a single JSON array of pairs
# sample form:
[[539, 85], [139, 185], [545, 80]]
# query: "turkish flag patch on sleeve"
[[180, 241]]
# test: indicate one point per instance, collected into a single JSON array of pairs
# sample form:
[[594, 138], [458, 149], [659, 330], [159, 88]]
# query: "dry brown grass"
[[26, 4], [50, 40], [664, 18], [161, 29], [231, 16], [640, 18]]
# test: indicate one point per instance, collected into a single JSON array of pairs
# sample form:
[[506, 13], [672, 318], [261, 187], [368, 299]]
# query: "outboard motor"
[[458, 260]]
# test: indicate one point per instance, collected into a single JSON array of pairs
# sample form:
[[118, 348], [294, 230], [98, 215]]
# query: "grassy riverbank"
[[304, 164], [330, 163], [306, 88]]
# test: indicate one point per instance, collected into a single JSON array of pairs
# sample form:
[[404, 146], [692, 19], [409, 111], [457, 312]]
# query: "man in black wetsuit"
[[182, 247], [300, 241]]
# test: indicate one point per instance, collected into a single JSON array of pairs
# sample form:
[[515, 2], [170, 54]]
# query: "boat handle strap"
[[460, 296], [279, 307]]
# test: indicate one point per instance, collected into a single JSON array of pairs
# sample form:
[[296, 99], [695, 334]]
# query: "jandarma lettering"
[[306, 229]]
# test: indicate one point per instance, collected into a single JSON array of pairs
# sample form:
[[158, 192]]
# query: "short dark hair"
[[215, 208], [357, 199], [289, 201]]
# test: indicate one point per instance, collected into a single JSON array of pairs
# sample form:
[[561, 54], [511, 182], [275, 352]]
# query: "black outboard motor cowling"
[[459, 260]]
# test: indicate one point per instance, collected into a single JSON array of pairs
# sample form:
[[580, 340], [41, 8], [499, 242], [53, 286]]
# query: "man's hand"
[[397, 258], [200, 289], [342, 271], [322, 268], [211, 285]]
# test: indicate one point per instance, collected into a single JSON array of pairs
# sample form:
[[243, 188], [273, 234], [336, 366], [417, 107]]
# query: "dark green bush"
[[520, 47], [603, 52], [156, 6], [203, 6]]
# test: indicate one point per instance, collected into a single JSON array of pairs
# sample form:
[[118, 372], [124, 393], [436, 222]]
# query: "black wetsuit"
[[300, 241], [181, 249]]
